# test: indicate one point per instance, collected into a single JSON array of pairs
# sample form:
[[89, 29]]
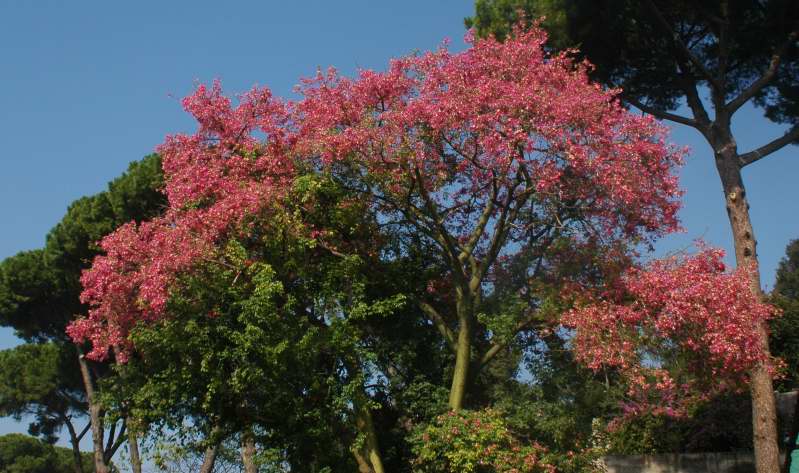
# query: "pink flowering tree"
[[495, 155], [505, 160], [680, 330]]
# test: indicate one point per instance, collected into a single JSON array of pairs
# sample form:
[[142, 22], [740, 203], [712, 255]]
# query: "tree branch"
[[764, 79], [485, 216], [681, 46], [83, 432], [660, 113], [440, 324], [759, 153], [449, 243], [496, 347], [119, 441]]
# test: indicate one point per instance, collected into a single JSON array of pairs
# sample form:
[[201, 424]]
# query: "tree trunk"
[[764, 412], [371, 449], [133, 447], [95, 415], [248, 452], [209, 458], [463, 353]]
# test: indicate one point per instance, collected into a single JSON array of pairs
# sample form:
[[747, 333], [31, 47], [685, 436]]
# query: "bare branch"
[[759, 153]]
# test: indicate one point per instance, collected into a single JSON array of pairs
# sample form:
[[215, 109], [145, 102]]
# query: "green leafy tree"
[[284, 338], [663, 54]]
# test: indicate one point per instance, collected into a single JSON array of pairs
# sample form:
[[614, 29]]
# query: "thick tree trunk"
[[133, 447], [369, 457], [248, 452], [95, 415], [764, 412], [463, 353], [209, 459]]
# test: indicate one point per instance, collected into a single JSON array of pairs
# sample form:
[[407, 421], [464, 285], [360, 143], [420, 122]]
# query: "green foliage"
[[41, 380], [481, 442], [22, 454], [784, 336]]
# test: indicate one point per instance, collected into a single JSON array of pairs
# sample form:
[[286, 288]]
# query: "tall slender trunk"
[[77, 460], [463, 352], [133, 447], [764, 411], [209, 458], [95, 415], [248, 452]]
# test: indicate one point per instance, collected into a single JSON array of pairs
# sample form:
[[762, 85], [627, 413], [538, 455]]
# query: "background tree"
[[42, 380], [785, 333], [664, 54], [39, 289], [785, 329], [24, 454]]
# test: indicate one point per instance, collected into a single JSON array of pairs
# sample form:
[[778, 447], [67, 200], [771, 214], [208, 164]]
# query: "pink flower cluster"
[[497, 120], [215, 180], [679, 306]]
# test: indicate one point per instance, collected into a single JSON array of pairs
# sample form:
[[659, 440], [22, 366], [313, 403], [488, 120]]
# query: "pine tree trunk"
[[764, 412], [95, 416]]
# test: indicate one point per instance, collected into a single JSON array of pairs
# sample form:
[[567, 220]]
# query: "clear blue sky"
[[87, 87]]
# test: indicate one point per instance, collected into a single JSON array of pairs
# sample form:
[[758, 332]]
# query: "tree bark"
[[133, 447], [248, 452], [371, 449], [95, 415], [209, 458], [764, 412], [463, 351]]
